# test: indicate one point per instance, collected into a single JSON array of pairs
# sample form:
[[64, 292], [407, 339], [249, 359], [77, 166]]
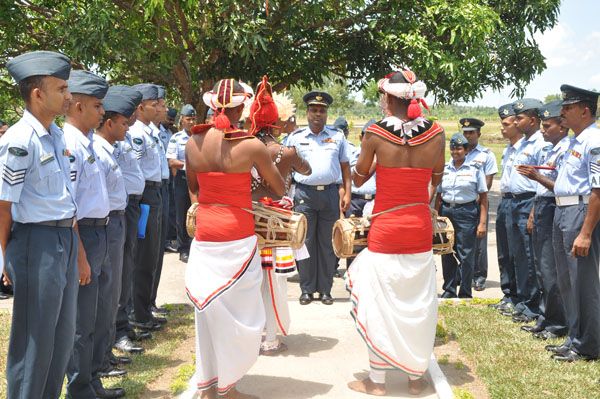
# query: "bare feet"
[[210, 393], [367, 386], [415, 387], [235, 394], [281, 347]]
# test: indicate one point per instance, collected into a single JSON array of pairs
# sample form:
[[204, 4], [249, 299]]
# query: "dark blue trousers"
[[41, 262], [552, 317], [109, 291], [460, 265], [125, 305], [164, 227], [506, 262], [79, 370], [321, 209], [578, 280], [521, 249], [147, 253], [481, 261], [172, 230], [182, 204]]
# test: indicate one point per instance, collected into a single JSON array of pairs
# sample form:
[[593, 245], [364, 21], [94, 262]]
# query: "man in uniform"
[[118, 106], [85, 114], [171, 245], [505, 260], [176, 157], [40, 248], [471, 129], [552, 322], [576, 235], [317, 195], [521, 193], [147, 148], [127, 158]]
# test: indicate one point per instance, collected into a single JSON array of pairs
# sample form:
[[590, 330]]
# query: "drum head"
[[298, 241]]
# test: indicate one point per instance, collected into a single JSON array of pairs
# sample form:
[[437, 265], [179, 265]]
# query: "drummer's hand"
[[344, 202], [6, 279], [286, 202], [481, 230]]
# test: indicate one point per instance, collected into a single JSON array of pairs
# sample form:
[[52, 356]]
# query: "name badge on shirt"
[[328, 140], [91, 159], [44, 159]]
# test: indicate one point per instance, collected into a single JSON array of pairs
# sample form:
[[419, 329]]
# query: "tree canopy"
[[458, 47]]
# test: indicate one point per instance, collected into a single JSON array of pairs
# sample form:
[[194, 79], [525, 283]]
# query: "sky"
[[572, 51]]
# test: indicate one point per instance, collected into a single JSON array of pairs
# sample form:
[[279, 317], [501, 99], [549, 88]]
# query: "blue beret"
[[340, 123], [458, 140], [572, 95], [88, 83], [148, 90], [39, 63], [161, 91], [550, 110], [506, 110], [366, 126], [210, 112], [317, 98], [526, 104], [171, 113], [188, 110], [120, 99], [470, 124]]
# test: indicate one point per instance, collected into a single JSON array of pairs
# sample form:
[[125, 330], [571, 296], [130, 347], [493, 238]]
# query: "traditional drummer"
[[278, 263]]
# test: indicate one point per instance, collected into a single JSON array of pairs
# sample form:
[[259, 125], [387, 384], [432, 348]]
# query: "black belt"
[[367, 197], [93, 221], [545, 198], [457, 205], [165, 181], [56, 223], [318, 187], [525, 195], [134, 197], [153, 183], [116, 212]]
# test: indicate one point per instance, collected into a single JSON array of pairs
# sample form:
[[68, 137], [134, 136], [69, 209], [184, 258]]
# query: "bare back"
[[426, 155]]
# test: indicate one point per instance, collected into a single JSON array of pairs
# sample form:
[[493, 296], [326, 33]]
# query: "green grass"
[[510, 362], [145, 368], [181, 381]]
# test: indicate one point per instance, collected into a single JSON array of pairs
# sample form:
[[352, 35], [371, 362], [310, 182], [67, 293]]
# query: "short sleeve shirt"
[[117, 195], [527, 153], [147, 150], [485, 158], [462, 185], [551, 156], [130, 166], [579, 172]]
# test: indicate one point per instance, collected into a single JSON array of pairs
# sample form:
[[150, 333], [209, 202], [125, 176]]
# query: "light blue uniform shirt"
[[580, 169], [163, 140], [528, 153], [130, 166], [484, 157], [506, 165], [323, 152], [551, 156], [35, 172], [462, 185], [176, 148], [369, 186], [88, 181], [147, 150], [117, 195]]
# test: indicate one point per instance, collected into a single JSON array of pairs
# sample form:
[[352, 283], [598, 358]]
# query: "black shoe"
[[337, 274], [139, 335], [506, 307], [306, 298], [479, 286], [116, 360], [112, 393], [157, 319], [569, 356], [521, 318], [184, 256], [544, 335], [159, 310], [557, 348], [125, 345], [171, 247], [146, 326], [532, 329], [326, 299], [4, 296], [448, 295], [112, 372]]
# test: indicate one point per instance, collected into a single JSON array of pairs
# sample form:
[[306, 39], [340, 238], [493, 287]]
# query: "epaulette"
[[548, 147], [419, 134]]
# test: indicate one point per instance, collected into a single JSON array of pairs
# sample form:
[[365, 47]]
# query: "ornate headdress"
[[285, 105], [263, 111], [222, 96], [404, 84]]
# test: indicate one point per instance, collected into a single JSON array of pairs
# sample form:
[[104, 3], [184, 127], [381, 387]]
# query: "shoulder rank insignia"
[[91, 159], [137, 141], [18, 152], [46, 158], [595, 151]]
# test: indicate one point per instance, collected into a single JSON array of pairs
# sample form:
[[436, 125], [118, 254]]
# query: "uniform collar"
[[563, 143], [479, 148], [37, 126], [534, 137], [465, 164], [154, 128], [145, 128], [82, 138], [325, 130], [105, 144], [518, 143], [584, 135]]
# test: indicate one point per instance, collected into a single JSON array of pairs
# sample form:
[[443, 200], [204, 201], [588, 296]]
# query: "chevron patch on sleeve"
[[73, 175], [13, 177]]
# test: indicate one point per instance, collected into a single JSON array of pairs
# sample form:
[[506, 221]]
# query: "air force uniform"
[[41, 254], [459, 190]]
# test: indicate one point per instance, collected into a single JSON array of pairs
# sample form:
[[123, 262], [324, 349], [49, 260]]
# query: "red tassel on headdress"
[[414, 109], [263, 111], [222, 121]]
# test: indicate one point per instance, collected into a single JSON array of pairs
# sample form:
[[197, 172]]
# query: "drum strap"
[[374, 215]]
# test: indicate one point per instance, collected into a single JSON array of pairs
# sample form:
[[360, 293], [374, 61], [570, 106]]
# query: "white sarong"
[[223, 281], [394, 305]]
